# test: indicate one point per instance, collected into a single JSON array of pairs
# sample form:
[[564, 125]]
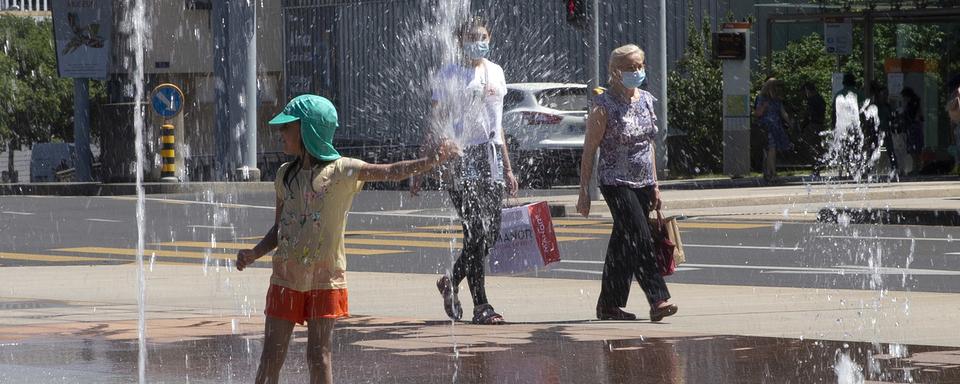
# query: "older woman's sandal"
[[661, 310], [484, 314]]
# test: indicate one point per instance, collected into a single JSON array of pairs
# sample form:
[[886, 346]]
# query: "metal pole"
[[236, 51], [594, 186], [248, 136], [868, 51], [11, 170], [221, 105], [168, 142], [661, 142], [81, 130]]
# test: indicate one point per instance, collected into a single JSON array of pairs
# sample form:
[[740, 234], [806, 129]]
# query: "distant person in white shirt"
[[953, 100]]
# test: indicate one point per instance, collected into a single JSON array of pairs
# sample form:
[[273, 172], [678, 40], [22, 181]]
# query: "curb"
[[836, 196], [935, 217], [126, 189]]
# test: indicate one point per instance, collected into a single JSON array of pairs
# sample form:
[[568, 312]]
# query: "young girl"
[[314, 193]]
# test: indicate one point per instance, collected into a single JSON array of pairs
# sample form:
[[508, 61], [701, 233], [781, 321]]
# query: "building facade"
[[373, 58]]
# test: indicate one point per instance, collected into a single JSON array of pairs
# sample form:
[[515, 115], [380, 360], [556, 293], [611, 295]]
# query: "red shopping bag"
[[526, 242]]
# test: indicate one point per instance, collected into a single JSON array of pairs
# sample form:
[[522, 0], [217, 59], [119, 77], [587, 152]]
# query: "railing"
[[25, 5]]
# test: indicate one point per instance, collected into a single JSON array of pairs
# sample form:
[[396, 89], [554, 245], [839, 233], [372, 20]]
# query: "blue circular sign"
[[167, 100]]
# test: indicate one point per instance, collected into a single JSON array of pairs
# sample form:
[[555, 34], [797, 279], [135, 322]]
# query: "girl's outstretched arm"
[[404, 169], [247, 256]]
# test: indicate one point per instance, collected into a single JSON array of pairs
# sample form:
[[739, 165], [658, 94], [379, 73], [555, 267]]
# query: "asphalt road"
[[393, 232]]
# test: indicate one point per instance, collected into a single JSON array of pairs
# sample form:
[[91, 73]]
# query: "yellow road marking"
[[348, 233], [164, 201], [402, 243], [38, 257], [556, 228], [455, 231], [206, 244], [164, 262], [147, 253], [705, 225], [442, 227], [368, 232], [701, 225], [423, 235], [582, 231], [458, 235], [573, 222]]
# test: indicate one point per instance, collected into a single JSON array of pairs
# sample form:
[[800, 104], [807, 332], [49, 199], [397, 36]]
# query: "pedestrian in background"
[[911, 124], [953, 112], [847, 136], [953, 103], [813, 124], [880, 97], [773, 119], [622, 124], [314, 193], [468, 105]]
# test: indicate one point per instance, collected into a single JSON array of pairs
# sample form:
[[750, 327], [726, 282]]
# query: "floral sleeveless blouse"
[[625, 151]]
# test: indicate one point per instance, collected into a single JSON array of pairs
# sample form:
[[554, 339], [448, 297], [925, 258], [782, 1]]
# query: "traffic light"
[[577, 13]]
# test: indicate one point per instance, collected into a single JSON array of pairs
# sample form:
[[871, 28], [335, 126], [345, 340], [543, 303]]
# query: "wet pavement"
[[381, 350]]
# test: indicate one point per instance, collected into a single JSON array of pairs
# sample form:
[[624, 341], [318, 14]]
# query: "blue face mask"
[[476, 50], [633, 79]]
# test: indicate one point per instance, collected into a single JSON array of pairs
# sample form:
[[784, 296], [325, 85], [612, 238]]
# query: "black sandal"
[[657, 312], [484, 314], [451, 304]]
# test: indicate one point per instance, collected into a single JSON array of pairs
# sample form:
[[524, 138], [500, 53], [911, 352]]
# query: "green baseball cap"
[[318, 121]]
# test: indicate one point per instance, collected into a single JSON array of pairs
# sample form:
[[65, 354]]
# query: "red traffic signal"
[[576, 13]]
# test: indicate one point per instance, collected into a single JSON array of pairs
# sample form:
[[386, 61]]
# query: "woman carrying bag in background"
[[621, 124]]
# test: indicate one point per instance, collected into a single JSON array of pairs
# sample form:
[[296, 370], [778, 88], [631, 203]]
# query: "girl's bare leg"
[[319, 350], [276, 338]]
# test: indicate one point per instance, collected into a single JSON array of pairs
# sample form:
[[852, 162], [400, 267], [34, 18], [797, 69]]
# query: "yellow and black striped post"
[[167, 140]]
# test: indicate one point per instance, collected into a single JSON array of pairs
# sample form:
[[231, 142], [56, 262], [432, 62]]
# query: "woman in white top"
[[468, 107]]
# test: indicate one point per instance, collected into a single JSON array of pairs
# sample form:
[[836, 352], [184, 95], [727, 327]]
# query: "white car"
[[544, 124]]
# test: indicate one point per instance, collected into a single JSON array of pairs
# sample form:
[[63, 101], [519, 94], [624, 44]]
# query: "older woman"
[[622, 124]]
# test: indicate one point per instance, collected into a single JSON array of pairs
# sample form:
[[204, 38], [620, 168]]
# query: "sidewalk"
[[792, 202], [108, 293], [398, 321], [79, 324]]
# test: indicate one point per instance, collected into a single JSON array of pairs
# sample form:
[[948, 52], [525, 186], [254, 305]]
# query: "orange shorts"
[[298, 307]]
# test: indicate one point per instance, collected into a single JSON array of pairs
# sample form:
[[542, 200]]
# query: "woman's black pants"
[[478, 203], [630, 252]]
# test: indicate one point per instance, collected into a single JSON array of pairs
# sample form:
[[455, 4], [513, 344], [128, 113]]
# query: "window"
[[565, 99], [512, 99]]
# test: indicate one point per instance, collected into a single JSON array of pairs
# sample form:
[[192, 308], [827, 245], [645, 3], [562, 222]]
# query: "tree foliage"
[[694, 89], [37, 104], [801, 61]]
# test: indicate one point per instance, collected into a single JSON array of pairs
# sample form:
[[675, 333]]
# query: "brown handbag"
[[668, 248]]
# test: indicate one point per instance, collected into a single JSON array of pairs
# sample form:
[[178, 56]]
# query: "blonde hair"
[[772, 89], [622, 53]]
